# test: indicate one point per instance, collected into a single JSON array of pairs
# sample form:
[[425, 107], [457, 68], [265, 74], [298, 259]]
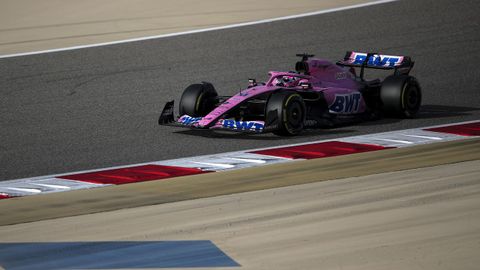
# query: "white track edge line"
[[319, 12], [229, 153]]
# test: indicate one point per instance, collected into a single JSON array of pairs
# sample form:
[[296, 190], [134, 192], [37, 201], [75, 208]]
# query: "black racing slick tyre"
[[198, 100], [401, 96], [290, 112]]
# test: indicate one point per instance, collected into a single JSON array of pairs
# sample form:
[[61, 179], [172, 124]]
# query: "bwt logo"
[[376, 60], [349, 103], [242, 125], [188, 120]]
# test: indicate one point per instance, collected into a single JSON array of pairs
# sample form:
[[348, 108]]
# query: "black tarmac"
[[98, 107]]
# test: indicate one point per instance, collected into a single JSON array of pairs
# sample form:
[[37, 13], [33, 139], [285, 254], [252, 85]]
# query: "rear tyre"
[[198, 100], [289, 108], [401, 96]]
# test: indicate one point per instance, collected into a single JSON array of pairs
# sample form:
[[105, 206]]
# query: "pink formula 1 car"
[[319, 93]]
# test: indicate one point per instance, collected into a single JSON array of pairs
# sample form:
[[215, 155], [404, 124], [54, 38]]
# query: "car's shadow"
[[261, 137], [428, 111], [442, 111]]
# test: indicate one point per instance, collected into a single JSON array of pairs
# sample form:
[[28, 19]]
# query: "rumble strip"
[[168, 169]]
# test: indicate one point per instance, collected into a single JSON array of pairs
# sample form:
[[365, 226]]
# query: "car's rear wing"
[[401, 64]]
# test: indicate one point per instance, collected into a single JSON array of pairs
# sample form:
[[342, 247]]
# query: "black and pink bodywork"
[[318, 93]]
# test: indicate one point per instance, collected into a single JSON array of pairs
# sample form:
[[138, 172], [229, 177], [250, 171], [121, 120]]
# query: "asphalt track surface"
[[98, 107]]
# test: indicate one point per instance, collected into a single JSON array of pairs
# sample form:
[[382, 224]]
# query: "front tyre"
[[401, 96], [289, 108], [198, 100]]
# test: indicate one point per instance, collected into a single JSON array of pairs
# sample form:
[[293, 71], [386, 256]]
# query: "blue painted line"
[[113, 255]]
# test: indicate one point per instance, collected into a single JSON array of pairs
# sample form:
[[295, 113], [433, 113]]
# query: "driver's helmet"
[[287, 81]]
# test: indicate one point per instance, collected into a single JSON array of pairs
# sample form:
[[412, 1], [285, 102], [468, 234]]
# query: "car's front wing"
[[167, 118]]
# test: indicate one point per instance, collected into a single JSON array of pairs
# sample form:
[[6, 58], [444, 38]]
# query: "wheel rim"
[[412, 98], [294, 116]]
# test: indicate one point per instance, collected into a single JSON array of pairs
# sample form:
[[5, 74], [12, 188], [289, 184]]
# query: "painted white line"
[[319, 12], [249, 160], [224, 166], [423, 137], [394, 141], [223, 161], [29, 190], [51, 186], [41, 185]]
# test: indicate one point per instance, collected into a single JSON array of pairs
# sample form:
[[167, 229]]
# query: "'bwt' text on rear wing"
[[401, 64]]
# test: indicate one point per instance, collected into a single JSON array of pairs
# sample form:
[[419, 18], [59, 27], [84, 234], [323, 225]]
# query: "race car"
[[318, 93]]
